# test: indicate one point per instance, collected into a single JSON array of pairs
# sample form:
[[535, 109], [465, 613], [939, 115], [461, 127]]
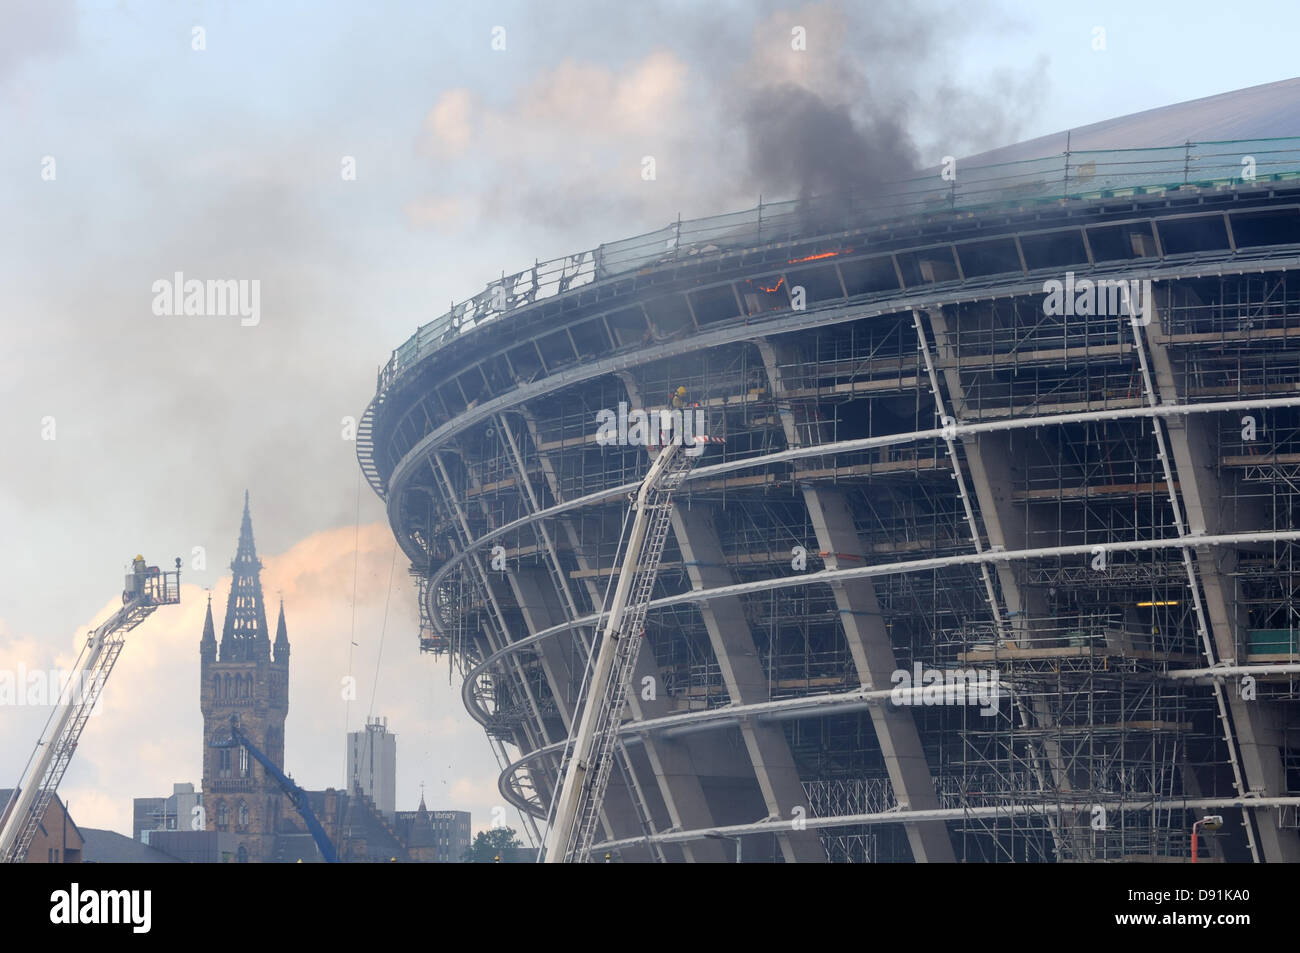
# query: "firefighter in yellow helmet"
[[135, 581], [679, 398]]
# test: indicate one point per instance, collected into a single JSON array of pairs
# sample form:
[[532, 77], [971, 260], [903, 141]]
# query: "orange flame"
[[825, 254]]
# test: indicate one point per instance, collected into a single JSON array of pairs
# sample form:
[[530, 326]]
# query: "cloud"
[[570, 140], [30, 29], [448, 127], [782, 102], [433, 210], [482, 790]]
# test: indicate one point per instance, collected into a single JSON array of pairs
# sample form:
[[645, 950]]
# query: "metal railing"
[[1070, 175]]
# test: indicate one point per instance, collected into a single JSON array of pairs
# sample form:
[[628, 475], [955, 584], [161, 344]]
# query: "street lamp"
[[1211, 822]]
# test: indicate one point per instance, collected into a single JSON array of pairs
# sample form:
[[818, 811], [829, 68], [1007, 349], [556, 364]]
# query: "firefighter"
[[135, 581], [679, 398]]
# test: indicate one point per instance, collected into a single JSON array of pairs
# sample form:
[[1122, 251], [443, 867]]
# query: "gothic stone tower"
[[244, 679]]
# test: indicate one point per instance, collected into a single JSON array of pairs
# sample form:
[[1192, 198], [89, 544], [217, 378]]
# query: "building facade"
[[172, 813], [451, 833], [1033, 432], [58, 840], [197, 847], [147, 814]]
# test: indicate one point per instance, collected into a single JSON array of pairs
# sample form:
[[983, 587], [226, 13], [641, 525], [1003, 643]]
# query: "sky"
[[214, 139]]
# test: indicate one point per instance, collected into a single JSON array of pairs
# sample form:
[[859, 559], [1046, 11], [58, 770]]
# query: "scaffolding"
[[511, 511]]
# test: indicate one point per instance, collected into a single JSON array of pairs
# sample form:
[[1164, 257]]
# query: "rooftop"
[[1257, 112], [110, 847], [1198, 143]]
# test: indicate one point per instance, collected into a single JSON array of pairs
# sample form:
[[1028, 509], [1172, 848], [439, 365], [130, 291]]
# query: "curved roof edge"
[[1268, 111]]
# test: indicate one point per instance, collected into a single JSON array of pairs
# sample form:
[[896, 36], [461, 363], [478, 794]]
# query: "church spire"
[[281, 637], [245, 636], [208, 644]]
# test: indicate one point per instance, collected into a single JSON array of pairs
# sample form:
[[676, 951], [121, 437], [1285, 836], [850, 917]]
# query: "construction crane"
[[146, 589], [595, 742], [297, 796]]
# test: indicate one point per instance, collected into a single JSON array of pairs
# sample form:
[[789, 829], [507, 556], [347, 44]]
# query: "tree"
[[488, 845]]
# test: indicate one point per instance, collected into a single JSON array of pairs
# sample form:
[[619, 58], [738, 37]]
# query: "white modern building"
[[372, 764]]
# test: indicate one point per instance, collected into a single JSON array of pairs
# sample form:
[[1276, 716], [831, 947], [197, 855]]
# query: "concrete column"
[[867, 637], [535, 594], [1256, 724], [989, 462], [676, 774], [742, 673], [733, 646]]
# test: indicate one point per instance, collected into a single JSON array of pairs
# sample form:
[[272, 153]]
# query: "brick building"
[[58, 840]]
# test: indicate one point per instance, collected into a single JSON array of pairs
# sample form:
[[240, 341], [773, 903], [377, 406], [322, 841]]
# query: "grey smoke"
[[32, 29], [877, 102], [801, 144]]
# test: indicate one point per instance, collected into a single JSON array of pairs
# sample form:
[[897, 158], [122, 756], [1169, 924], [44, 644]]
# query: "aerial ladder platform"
[[595, 743], [146, 589]]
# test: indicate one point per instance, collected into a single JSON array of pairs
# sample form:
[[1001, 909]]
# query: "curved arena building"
[[999, 556]]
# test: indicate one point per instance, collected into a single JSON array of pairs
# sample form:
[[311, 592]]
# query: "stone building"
[[247, 677]]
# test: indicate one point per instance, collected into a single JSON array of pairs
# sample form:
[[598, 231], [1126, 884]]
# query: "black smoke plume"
[[799, 144]]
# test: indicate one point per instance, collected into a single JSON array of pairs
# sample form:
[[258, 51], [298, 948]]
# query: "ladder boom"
[[146, 590], [595, 743]]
